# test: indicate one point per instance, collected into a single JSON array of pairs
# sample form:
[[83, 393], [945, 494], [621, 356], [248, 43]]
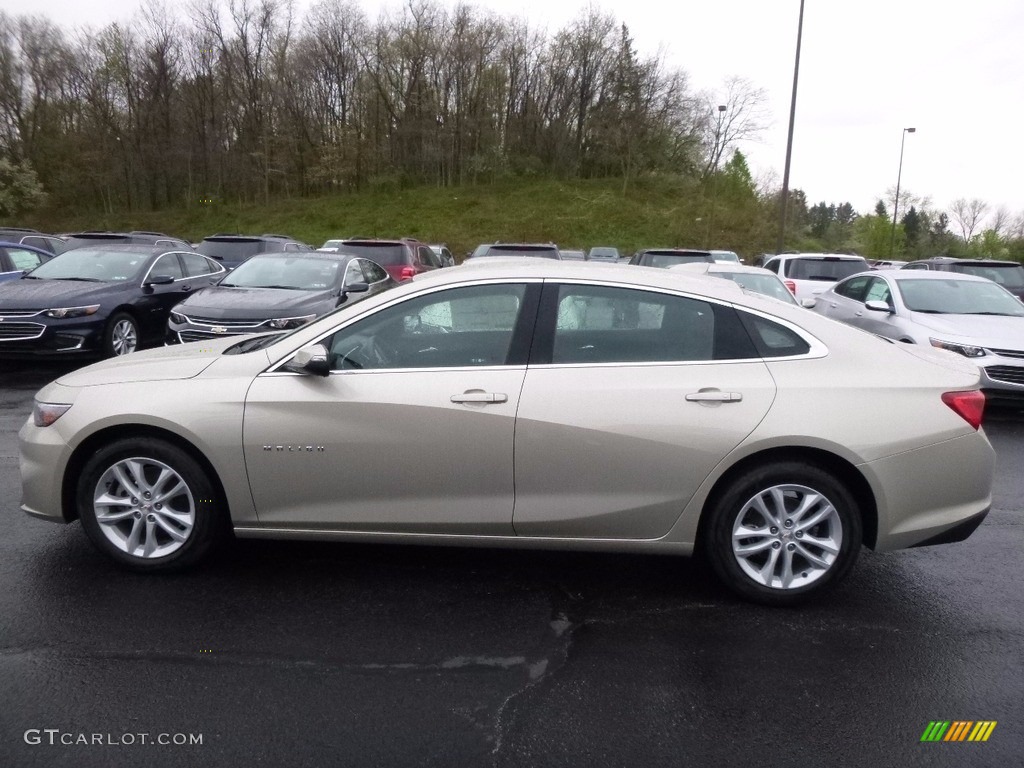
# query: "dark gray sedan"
[[276, 292]]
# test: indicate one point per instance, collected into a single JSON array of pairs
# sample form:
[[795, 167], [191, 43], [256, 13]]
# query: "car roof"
[[502, 268], [842, 256], [707, 267], [926, 274]]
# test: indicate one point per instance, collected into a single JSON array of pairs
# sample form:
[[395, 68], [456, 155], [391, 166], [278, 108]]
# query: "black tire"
[[113, 341], [199, 503], [809, 580]]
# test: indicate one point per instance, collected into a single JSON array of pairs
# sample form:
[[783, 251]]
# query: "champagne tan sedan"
[[579, 406]]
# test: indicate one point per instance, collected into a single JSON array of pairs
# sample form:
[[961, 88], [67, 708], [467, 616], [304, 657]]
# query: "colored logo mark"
[[958, 730]]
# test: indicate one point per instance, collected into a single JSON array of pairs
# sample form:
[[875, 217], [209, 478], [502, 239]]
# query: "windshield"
[[235, 249], [604, 253], [767, 285], [93, 265], [542, 251], [296, 273], [824, 268], [669, 259], [959, 297], [726, 256], [1008, 275]]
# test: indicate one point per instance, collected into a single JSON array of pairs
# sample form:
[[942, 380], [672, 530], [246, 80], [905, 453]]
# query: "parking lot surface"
[[296, 654]]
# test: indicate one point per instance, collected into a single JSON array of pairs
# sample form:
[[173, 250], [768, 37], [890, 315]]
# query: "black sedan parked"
[[108, 300], [276, 292]]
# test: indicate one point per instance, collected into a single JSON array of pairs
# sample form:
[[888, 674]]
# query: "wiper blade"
[[82, 279], [283, 287]]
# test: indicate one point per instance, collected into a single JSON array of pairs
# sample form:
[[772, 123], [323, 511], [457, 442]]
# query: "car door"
[[881, 323], [154, 301], [632, 397], [413, 429], [845, 301]]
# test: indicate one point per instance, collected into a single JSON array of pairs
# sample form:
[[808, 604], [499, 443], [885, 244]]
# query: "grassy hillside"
[[579, 214]]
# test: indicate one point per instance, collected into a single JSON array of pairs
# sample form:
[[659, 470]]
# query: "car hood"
[[982, 330], [162, 364], [46, 294], [243, 303]]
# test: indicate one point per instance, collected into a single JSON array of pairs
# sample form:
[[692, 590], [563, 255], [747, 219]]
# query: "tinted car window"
[[1010, 275], [772, 339], [542, 251], [854, 288], [196, 264], [599, 324], [428, 257], [167, 264], [236, 249], [670, 259], [353, 273], [372, 273], [824, 268], [388, 254], [461, 327], [22, 259], [773, 265]]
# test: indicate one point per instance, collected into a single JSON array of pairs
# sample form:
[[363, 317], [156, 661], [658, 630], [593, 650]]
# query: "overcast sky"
[[868, 69]]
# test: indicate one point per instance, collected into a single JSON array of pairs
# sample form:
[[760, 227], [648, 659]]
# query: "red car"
[[403, 258]]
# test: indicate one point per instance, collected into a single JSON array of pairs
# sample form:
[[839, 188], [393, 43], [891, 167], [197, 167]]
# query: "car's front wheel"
[[784, 532], [148, 504], [122, 335]]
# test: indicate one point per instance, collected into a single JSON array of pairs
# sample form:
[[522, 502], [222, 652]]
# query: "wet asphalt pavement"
[[288, 654]]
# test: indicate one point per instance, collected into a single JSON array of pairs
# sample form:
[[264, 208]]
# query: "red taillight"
[[970, 406], [407, 273], [791, 285]]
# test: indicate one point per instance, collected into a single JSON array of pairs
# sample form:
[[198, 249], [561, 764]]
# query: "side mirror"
[[356, 288], [159, 280], [310, 360], [808, 303], [879, 306]]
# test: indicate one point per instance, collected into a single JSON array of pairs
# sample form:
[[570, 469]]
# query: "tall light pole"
[[896, 203], [714, 177], [789, 140]]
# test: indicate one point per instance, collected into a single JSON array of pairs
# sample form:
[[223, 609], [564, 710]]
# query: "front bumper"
[[37, 336]]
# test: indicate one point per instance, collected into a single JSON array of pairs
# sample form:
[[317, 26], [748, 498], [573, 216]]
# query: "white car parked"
[[809, 274]]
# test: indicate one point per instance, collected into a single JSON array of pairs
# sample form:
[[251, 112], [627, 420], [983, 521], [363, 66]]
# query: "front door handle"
[[714, 396], [479, 396]]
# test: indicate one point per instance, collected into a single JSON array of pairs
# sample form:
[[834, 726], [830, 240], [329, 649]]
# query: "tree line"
[[249, 101]]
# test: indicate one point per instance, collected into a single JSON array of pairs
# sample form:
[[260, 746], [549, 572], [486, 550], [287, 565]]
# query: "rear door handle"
[[478, 396], [714, 397]]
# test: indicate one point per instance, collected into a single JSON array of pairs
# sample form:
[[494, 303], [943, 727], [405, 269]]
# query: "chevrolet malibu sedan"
[[99, 300], [737, 426], [275, 291], [971, 316]]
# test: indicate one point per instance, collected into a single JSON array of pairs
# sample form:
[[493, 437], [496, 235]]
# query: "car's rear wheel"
[[122, 336], [784, 532], [148, 504]]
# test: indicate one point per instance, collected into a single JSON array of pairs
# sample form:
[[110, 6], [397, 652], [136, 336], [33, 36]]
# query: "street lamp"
[[714, 176], [896, 203], [789, 139]]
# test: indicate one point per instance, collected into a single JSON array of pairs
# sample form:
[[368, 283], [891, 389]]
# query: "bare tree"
[[968, 215], [1000, 219], [745, 116]]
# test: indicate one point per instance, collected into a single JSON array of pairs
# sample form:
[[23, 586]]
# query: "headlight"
[[44, 414], [178, 318], [966, 350], [73, 311], [287, 323]]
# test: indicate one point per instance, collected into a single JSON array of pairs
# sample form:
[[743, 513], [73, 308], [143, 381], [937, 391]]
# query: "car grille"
[[187, 336], [20, 312], [227, 323], [1015, 353], [20, 331], [1011, 374]]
